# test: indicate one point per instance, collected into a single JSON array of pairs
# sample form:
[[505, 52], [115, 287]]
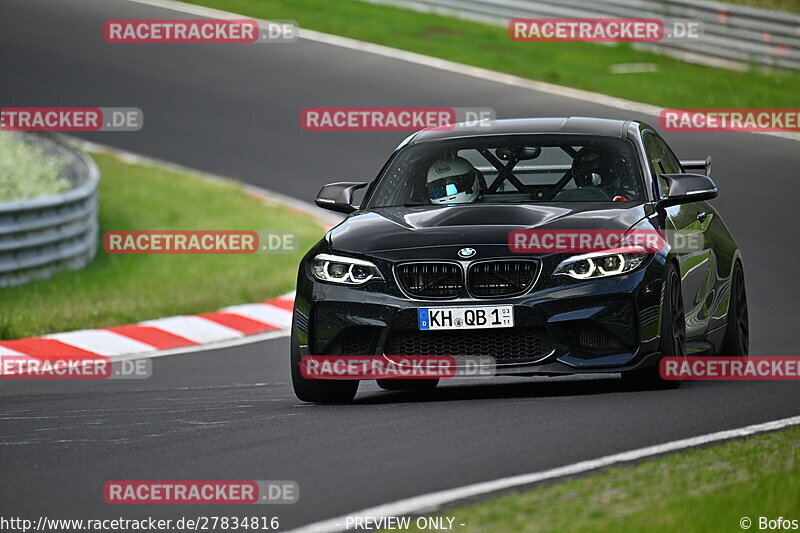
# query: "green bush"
[[26, 171]]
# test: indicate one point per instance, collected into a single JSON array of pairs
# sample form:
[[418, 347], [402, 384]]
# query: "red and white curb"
[[230, 326], [161, 336]]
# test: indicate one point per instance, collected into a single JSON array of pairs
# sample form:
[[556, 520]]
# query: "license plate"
[[494, 316]]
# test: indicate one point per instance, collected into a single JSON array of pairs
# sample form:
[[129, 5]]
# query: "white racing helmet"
[[453, 181]]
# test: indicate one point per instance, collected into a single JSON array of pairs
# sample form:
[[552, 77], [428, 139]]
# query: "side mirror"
[[687, 188], [703, 165], [338, 196]]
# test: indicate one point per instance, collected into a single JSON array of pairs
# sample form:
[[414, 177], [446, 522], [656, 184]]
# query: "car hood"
[[399, 228]]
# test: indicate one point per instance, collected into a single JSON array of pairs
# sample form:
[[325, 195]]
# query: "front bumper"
[[561, 326]]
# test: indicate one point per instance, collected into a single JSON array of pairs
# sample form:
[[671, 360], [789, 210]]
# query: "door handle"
[[702, 216]]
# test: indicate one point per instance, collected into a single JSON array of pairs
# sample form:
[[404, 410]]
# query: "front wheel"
[[322, 390], [673, 336], [319, 390]]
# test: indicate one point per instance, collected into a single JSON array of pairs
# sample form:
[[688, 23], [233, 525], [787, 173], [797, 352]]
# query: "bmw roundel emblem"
[[466, 252]]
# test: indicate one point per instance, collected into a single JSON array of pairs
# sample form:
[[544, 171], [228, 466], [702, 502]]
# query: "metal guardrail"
[[43, 235], [734, 36]]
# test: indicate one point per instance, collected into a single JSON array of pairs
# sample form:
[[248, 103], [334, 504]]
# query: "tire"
[[737, 330], [319, 390], [673, 336], [408, 384]]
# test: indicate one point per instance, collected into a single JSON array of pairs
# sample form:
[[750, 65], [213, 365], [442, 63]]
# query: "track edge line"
[[433, 501]]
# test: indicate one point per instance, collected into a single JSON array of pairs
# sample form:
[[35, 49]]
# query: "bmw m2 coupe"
[[470, 243]]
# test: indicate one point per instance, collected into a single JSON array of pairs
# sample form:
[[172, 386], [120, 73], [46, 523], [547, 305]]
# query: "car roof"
[[570, 125]]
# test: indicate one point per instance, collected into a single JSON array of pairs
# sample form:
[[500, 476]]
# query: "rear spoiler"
[[703, 165]]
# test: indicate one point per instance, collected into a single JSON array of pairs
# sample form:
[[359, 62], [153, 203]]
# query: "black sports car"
[[436, 258]]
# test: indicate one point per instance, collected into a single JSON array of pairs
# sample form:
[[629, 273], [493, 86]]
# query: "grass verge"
[[583, 65], [702, 490], [122, 289]]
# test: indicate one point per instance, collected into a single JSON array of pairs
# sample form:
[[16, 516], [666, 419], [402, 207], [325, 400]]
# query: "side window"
[[671, 163], [662, 161]]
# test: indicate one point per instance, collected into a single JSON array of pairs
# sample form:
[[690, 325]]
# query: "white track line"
[[442, 64], [431, 502]]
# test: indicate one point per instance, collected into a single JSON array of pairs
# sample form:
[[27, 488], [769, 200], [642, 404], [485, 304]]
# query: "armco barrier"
[[43, 235], [734, 36]]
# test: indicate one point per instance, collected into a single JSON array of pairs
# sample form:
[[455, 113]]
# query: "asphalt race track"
[[230, 413]]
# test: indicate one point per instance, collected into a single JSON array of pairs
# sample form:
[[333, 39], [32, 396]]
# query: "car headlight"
[[344, 270], [601, 264]]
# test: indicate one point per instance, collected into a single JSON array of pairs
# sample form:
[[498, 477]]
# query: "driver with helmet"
[[602, 169], [453, 181]]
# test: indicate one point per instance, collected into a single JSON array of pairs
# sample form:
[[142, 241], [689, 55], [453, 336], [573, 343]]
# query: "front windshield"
[[511, 169]]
